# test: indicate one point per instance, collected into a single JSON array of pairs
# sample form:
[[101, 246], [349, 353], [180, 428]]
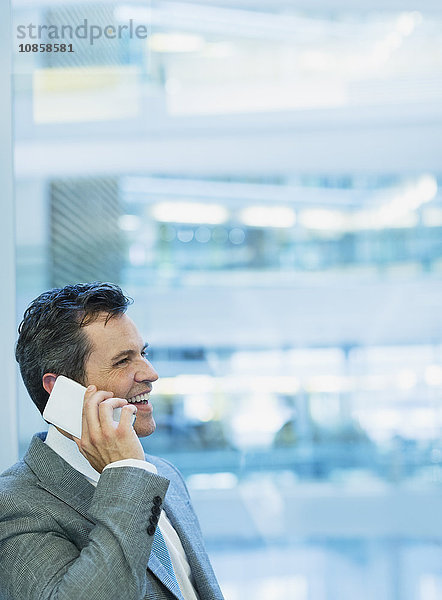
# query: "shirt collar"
[[68, 450]]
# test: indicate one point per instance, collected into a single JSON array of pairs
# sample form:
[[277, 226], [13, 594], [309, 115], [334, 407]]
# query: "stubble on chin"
[[145, 431]]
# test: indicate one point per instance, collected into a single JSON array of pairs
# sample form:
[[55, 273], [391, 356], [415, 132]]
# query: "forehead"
[[114, 334]]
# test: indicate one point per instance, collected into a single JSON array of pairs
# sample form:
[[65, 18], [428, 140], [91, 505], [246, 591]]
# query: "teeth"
[[140, 398]]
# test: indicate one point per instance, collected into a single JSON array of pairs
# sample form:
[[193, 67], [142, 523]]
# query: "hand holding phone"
[[65, 406], [87, 415]]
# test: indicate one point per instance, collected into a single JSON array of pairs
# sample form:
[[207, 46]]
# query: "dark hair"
[[51, 336]]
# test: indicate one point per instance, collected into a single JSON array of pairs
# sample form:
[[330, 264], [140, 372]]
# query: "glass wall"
[[264, 180], [8, 424]]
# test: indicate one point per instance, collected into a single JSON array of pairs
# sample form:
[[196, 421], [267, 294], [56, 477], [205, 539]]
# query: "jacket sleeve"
[[38, 561]]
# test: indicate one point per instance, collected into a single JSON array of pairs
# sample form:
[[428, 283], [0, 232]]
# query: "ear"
[[48, 381]]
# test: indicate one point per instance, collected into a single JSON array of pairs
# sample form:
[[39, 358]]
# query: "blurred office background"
[[264, 179]]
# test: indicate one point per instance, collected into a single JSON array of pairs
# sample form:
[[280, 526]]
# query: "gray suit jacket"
[[61, 538]]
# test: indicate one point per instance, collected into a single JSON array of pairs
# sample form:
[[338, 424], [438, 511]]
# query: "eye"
[[123, 361], [144, 353]]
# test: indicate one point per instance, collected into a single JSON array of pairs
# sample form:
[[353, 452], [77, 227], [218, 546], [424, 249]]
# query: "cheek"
[[121, 381]]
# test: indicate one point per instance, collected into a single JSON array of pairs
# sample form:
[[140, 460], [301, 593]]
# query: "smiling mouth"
[[139, 399]]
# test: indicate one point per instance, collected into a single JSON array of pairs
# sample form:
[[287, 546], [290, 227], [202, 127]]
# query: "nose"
[[145, 372]]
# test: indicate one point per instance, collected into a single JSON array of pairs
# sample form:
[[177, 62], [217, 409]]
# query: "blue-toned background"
[[264, 179]]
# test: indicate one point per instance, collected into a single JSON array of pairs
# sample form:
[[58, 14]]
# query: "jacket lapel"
[[58, 477], [184, 521], [154, 565]]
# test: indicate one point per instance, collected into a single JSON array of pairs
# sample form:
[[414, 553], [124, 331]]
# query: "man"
[[95, 518]]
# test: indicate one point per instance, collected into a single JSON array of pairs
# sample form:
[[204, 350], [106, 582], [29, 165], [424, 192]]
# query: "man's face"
[[118, 364]]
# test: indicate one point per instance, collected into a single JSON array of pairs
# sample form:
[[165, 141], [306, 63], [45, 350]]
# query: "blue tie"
[[162, 553]]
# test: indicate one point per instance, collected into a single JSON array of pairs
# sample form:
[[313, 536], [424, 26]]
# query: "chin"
[[145, 429]]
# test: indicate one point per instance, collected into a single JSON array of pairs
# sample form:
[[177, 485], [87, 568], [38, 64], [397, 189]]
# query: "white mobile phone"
[[65, 406]]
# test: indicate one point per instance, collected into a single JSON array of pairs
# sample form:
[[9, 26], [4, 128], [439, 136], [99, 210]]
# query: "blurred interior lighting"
[[237, 21], [429, 187], [329, 383], [393, 41], [387, 219], [205, 384], [380, 219], [424, 191], [397, 210], [83, 94], [407, 22], [317, 60], [433, 375], [372, 382], [203, 234], [326, 410], [185, 235], [432, 217], [189, 212], [237, 236], [129, 222], [186, 384], [125, 12], [219, 50], [279, 384], [381, 53], [172, 85], [407, 200], [405, 25], [268, 216], [197, 407], [212, 481], [176, 42], [323, 219], [386, 418], [257, 424], [406, 379]]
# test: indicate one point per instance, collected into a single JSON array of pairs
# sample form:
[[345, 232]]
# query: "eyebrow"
[[129, 352]]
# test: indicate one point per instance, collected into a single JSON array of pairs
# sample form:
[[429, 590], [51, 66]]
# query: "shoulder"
[[168, 470], [15, 478], [164, 467], [19, 484], [20, 496]]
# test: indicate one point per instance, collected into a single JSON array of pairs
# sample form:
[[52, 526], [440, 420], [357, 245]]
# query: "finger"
[[84, 428], [92, 400], [127, 413], [106, 410]]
